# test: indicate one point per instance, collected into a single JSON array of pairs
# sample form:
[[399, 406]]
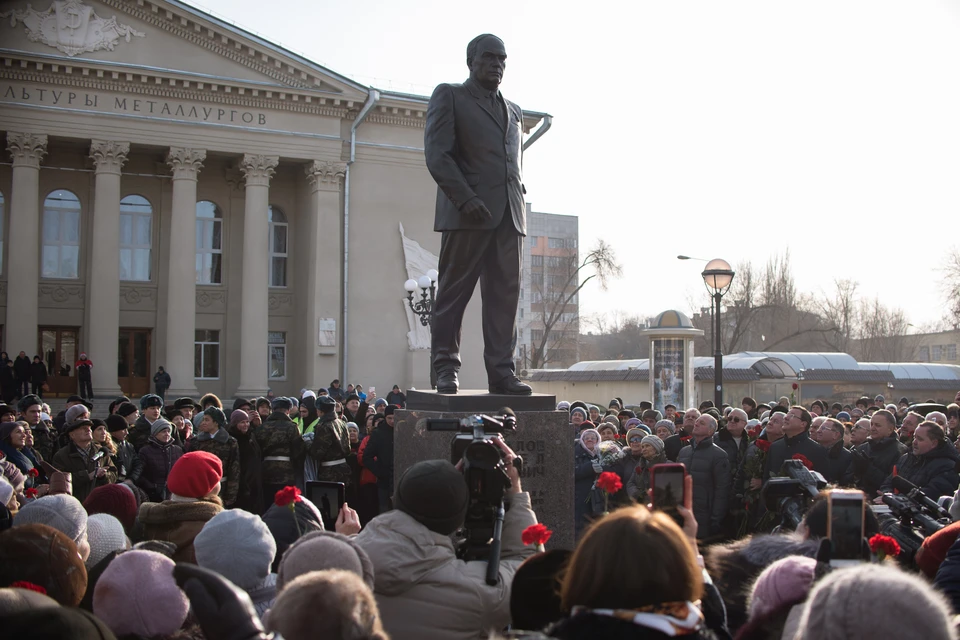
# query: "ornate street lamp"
[[423, 308], [718, 276]]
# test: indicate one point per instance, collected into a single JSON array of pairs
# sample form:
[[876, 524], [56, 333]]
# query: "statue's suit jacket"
[[469, 154]]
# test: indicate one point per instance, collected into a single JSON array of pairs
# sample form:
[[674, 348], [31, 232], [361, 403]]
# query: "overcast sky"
[[729, 129]]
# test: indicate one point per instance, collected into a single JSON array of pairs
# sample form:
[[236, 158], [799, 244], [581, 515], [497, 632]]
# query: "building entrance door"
[[133, 366], [58, 346]]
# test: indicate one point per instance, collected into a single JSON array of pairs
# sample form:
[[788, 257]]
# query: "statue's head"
[[487, 60]]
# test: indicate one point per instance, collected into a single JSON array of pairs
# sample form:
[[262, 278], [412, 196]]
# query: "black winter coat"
[[710, 467], [129, 466], [378, 456], [935, 472], [839, 471], [673, 445], [21, 368], [157, 459], [873, 461], [38, 373], [785, 448]]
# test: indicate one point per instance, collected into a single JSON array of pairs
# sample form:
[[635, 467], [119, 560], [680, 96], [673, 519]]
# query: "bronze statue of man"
[[473, 151]]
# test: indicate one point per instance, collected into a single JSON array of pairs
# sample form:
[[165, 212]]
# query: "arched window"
[[209, 243], [278, 247], [136, 236], [60, 257]]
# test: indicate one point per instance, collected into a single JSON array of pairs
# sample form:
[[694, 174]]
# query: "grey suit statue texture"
[[473, 151]]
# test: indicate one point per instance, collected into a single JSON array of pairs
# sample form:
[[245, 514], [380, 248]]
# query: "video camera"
[[486, 476], [790, 496], [911, 518]]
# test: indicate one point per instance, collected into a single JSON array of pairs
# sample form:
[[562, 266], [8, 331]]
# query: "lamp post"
[[718, 276], [423, 308]]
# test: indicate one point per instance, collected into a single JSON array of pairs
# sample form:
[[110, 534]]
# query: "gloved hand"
[[597, 467], [223, 610]]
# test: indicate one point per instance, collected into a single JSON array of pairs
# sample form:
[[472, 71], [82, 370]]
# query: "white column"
[[23, 265], [103, 325], [257, 171], [320, 254], [182, 272]]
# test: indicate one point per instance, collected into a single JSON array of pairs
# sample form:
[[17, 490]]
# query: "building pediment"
[[153, 41]]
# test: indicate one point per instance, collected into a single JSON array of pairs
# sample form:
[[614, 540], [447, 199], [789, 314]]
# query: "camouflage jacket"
[[225, 447], [279, 437], [44, 440], [330, 443]]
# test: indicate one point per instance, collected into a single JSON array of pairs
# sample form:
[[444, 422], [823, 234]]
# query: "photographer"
[[931, 465], [422, 588]]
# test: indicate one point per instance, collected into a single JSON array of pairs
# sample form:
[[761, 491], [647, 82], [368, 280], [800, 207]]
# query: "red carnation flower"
[[884, 546], [804, 459], [287, 497], [686, 439], [31, 493], [764, 445], [537, 534], [23, 584], [795, 386], [609, 482], [33, 473]]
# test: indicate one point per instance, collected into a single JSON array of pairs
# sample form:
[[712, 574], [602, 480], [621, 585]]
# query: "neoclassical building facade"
[[181, 193]]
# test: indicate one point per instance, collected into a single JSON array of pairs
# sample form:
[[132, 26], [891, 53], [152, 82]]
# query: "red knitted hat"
[[935, 548], [115, 500], [195, 474]]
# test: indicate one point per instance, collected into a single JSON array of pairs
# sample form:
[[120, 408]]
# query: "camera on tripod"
[[485, 473], [790, 496]]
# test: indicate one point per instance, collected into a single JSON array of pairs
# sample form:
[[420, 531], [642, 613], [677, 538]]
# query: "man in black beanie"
[[422, 588]]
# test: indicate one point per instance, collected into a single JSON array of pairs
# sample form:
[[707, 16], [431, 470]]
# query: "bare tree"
[[555, 306], [839, 312], [951, 287], [883, 333]]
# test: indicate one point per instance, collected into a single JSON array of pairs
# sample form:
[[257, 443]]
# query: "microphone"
[[912, 491]]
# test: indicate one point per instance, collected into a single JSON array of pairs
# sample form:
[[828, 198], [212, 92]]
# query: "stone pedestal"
[[542, 438]]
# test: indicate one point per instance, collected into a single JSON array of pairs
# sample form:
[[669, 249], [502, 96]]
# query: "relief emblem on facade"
[[71, 27]]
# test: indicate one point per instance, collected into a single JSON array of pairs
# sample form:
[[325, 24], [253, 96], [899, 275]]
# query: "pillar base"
[[250, 394], [172, 394], [107, 391]]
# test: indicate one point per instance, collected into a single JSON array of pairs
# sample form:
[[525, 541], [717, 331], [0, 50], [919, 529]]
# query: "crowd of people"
[[187, 520]]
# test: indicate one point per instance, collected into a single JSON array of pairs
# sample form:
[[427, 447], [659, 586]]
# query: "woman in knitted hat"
[[194, 485], [651, 453], [777, 597], [239, 546], [158, 457], [137, 596], [608, 433], [578, 416], [320, 551], [875, 602], [250, 489], [664, 429], [587, 466]]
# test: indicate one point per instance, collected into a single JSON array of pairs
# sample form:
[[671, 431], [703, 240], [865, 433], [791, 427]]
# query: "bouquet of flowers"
[[884, 546], [610, 453]]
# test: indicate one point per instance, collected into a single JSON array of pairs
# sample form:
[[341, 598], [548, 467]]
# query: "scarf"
[[596, 448], [669, 618]]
